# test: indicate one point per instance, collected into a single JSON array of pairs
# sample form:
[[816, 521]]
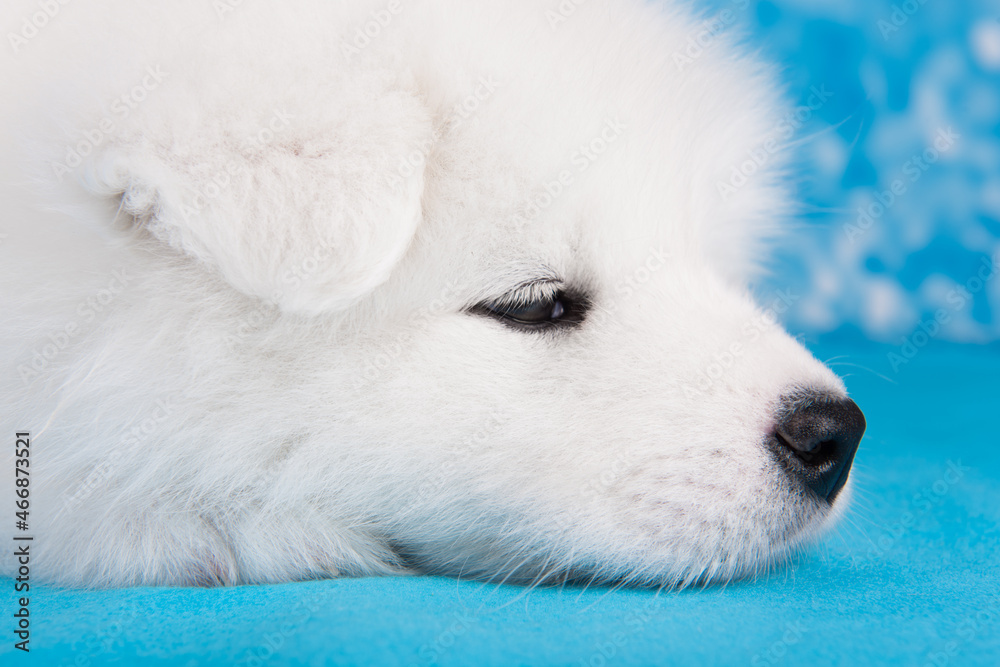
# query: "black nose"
[[816, 439]]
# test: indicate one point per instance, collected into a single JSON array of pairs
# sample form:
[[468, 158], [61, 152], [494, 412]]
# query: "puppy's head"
[[521, 264]]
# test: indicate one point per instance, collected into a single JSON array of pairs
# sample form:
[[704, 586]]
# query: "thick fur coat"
[[253, 257]]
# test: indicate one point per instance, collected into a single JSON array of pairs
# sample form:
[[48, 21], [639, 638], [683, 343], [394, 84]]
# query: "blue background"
[[899, 73], [910, 577]]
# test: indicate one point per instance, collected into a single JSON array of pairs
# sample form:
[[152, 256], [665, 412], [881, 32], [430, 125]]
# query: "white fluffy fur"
[[282, 381]]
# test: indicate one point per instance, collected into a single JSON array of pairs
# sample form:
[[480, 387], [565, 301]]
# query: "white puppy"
[[302, 289]]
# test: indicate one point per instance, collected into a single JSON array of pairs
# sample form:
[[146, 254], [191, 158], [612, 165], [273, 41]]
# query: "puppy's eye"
[[541, 312], [548, 310]]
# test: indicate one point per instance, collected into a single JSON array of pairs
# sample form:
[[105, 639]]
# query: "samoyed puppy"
[[313, 289]]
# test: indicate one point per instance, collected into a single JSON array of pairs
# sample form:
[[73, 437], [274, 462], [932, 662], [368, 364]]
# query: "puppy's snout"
[[816, 439]]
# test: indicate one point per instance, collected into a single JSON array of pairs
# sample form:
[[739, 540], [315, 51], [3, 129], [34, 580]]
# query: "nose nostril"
[[816, 439], [818, 454]]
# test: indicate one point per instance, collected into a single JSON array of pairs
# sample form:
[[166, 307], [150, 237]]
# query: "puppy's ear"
[[307, 202]]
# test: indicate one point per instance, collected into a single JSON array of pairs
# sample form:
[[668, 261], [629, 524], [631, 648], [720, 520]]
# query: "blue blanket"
[[912, 576]]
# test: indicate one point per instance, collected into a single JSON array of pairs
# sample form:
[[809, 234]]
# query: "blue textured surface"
[[912, 576]]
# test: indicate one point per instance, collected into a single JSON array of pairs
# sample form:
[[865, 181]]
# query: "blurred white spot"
[[931, 81], [827, 282], [985, 42], [915, 225], [830, 154], [886, 308], [935, 288], [962, 329], [976, 237], [873, 77], [818, 316], [991, 197]]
